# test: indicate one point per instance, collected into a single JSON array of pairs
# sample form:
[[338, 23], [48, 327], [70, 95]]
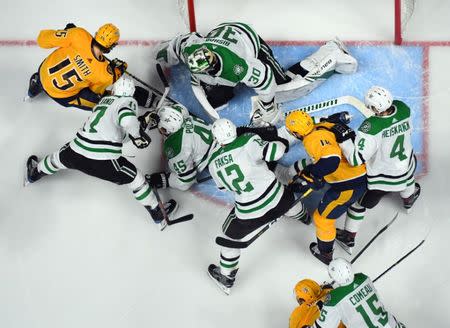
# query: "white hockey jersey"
[[103, 133], [241, 168], [236, 46], [357, 305], [187, 152], [384, 144]]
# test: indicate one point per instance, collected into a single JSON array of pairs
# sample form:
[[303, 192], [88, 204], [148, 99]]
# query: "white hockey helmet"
[[124, 86], [224, 131], [340, 270], [170, 119], [378, 99]]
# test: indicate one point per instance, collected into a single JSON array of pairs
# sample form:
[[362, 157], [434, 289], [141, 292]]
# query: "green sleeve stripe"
[[125, 114], [187, 180], [273, 152], [269, 82], [145, 193], [47, 166]]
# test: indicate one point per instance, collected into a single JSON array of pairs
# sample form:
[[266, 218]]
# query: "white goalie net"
[[407, 9], [183, 11]]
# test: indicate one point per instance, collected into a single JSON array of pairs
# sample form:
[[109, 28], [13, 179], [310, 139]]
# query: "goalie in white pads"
[[238, 165], [383, 143], [187, 143], [97, 149], [234, 53], [354, 301]]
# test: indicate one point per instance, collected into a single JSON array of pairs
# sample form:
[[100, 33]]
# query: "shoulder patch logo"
[[365, 127], [238, 69], [170, 152]]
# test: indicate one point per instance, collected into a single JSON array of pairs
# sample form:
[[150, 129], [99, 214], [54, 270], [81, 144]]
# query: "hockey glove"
[[118, 67], [308, 180], [149, 120], [341, 117], [69, 25], [142, 141], [342, 132], [158, 180]]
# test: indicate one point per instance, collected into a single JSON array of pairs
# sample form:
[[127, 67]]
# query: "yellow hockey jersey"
[[321, 143], [72, 67]]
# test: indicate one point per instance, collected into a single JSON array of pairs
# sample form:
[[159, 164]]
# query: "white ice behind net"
[[407, 9]]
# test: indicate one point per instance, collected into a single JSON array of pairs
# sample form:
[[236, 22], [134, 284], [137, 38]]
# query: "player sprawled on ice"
[[234, 53], [97, 149], [346, 183], [238, 164], [354, 301], [383, 143], [187, 143], [77, 73]]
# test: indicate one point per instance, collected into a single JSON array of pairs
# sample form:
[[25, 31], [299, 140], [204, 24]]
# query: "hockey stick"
[[400, 260], [330, 103], [373, 238], [166, 85], [169, 222], [244, 244]]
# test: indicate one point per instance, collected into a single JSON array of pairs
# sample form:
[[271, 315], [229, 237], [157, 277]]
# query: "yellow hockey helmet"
[[299, 123], [307, 291], [107, 37]]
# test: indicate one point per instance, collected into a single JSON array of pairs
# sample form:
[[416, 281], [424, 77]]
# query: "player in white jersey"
[[354, 301], [97, 149], [188, 140], [234, 53], [238, 164], [383, 143]]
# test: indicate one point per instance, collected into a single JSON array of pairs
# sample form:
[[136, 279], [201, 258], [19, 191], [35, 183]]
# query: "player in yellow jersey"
[[77, 74], [311, 298], [347, 183]]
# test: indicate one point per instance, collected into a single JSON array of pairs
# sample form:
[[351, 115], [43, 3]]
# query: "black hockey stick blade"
[[161, 75], [373, 238], [244, 244], [400, 260], [183, 218]]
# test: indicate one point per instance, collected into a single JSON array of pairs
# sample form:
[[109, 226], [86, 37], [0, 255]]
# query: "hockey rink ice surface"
[[79, 252]]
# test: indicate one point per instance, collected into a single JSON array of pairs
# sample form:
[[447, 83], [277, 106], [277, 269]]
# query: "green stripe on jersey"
[[125, 114], [97, 150], [273, 152], [264, 204]]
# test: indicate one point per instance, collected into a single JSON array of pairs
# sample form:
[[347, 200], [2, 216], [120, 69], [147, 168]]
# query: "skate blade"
[[226, 290], [348, 250]]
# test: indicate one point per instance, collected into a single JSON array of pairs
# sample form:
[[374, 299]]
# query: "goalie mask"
[[201, 60]]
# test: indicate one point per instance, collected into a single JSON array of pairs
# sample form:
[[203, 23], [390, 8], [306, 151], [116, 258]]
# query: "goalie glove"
[[343, 132], [158, 180], [142, 141], [149, 120]]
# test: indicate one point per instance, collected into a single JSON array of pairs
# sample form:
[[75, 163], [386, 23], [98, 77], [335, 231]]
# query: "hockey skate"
[[346, 240], [157, 214], [223, 281], [409, 202], [31, 171], [34, 88], [323, 257]]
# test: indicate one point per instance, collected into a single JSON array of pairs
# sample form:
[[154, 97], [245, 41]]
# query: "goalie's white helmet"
[[378, 99], [170, 120], [224, 131], [340, 270], [124, 86]]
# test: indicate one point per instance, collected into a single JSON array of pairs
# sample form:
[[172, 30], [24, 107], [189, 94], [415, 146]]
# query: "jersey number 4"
[[234, 173], [56, 72]]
